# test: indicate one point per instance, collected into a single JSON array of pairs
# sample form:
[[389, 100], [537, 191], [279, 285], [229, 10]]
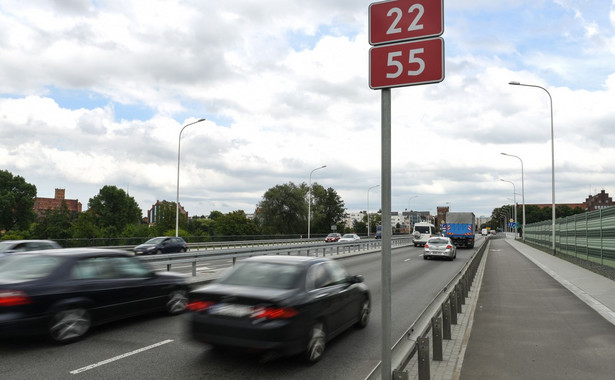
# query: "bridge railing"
[[309, 249], [435, 320]]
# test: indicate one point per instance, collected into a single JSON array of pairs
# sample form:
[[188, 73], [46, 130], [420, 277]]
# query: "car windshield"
[[28, 267], [437, 241], [348, 236], [156, 240], [5, 246], [263, 275], [332, 235], [422, 229]]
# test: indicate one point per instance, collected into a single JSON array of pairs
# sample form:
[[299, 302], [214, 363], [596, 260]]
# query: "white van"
[[422, 232]]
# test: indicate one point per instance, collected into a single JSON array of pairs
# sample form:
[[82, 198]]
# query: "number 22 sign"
[[401, 20]]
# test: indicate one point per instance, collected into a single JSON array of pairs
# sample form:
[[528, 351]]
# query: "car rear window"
[[263, 275], [422, 229], [28, 267], [438, 241]]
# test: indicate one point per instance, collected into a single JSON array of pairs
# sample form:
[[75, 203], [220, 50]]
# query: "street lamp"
[[522, 191], [310, 199], [514, 202], [410, 213], [552, 162], [373, 187], [177, 200]]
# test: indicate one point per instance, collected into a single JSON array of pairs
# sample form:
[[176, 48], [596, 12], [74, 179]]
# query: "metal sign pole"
[[386, 232]]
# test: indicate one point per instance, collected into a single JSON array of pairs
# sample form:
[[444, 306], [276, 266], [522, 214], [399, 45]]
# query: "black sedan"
[[280, 305], [161, 244], [63, 292]]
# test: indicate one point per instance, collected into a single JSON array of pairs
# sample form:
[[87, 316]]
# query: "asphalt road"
[[157, 346]]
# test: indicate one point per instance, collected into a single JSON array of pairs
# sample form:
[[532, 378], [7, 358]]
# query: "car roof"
[[27, 241], [78, 252]]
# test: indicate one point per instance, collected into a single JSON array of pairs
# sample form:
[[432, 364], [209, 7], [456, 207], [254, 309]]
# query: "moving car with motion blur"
[[333, 237], [10, 246], [349, 237], [440, 247], [279, 306], [162, 244], [64, 292]]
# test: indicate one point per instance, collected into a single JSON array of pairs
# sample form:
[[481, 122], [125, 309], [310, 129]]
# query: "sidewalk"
[[527, 317], [539, 317]]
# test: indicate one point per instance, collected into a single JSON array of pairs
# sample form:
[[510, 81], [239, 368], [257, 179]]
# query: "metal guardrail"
[[323, 249], [437, 318]]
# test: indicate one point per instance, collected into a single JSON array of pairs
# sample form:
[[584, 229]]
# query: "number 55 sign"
[[406, 63], [403, 56]]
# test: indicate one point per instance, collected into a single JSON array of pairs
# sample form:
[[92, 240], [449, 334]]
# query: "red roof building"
[[43, 204]]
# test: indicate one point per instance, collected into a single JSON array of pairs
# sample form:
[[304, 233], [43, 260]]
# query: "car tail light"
[[14, 298], [274, 313], [426, 245], [449, 247], [197, 305]]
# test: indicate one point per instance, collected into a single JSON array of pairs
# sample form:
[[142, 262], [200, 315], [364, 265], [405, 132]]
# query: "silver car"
[[440, 247]]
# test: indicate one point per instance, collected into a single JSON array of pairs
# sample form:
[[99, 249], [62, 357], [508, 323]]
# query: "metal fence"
[[434, 323], [589, 236]]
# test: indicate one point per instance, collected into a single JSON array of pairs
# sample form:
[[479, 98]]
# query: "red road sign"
[[400, 20], [406, 63]]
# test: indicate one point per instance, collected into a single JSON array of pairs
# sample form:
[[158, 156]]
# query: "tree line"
[[112, 213], [533, 214]]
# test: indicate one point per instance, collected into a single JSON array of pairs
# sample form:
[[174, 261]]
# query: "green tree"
[[201, 226], [283, 210], [113, 210], [16, 201], [235, 224], [85, 226], [215, 215], [54, 224], [327, 209]]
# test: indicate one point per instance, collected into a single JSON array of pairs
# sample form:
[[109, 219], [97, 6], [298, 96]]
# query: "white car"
[[349, 237], [440, 247]]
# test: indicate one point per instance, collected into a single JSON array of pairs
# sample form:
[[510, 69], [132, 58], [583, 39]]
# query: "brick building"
[[157, 209], [598, 201], [43, 204]]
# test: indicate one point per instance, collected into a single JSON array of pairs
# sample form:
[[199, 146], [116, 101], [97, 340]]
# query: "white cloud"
[[95, 94]]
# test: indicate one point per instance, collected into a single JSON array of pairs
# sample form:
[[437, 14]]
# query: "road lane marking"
[[83, 369]]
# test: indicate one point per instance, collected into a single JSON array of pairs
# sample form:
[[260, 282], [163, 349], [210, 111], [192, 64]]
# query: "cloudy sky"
[[95, 93]]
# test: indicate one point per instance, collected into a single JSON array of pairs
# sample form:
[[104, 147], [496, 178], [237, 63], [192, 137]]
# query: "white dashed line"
[[83, 369]]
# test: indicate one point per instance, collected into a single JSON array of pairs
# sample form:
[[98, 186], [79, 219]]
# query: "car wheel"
[[159, 251], [182, 250], [316, 343], [69, 325], [425, 257], [177, 302], [364, 314]]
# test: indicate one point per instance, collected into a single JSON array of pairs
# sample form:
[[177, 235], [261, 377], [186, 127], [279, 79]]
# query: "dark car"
[[64, 292], [279, 305], [333, 237], [10, 246], [162, 244]]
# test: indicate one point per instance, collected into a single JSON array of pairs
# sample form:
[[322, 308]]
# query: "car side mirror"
[[356, 279]]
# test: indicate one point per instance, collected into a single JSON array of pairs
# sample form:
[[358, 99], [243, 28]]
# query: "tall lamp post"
[[522, 191], [514, 203], [514, 83], [373, 187], [179, 144], [410, 213], [310, 199]]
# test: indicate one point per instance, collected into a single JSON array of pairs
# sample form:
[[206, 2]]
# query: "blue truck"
[[459, 227]]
